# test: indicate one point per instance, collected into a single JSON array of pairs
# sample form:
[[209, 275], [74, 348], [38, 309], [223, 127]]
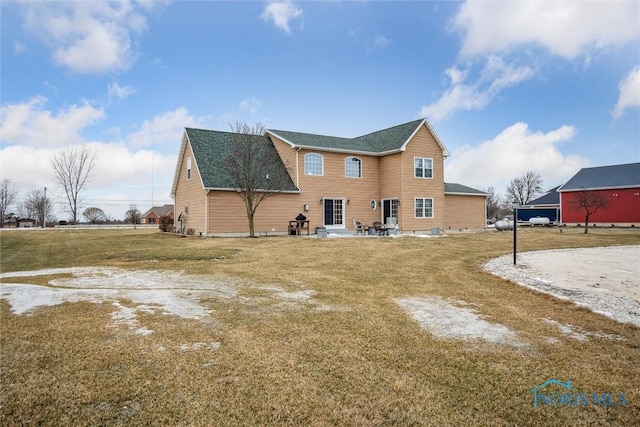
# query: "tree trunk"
[[252, 232], [586, 224]]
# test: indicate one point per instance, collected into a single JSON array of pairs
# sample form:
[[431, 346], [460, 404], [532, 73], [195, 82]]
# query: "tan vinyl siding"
[[422, 145], [288, 156], [465, 212], [227, 213], [190, 194], [357, 192]]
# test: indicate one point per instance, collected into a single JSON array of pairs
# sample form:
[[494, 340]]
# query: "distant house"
[[619, 185], [152, 216], [395, 176], [25, 222]]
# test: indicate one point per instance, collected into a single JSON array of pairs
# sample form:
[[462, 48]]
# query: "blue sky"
[[508, 86]]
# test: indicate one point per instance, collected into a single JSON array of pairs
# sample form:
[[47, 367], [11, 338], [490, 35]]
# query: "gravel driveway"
[[606, 280]]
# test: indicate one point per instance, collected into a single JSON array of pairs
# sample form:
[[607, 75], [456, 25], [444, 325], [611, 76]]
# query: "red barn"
[[618, 186]]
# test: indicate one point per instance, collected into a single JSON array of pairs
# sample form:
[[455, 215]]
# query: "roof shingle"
[[382, 141], [453, 188], [614, 176], [211, 148]]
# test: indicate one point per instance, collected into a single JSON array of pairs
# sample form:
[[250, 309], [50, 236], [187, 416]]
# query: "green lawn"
[[351, 357]]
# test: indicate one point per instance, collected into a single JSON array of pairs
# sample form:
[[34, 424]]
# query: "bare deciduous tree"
[[8, 194], [94, 215], [589, 201], [493, 203], [73, 167], [525, 188], [254, 169], [133, 215], [38, 203]]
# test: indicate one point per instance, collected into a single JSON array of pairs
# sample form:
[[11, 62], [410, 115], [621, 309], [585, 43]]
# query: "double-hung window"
[[313, 164], [188, 167], [352, 167], [423, 167], [423, 207]]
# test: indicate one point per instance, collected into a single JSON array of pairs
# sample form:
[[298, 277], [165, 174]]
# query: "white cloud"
[[629, 93], [19, 47], [165, 129], [477, 94], [252, 105], [115, 91], [121, 176], [380, 42], [513, 152], [29, 123], [565, 28], [125, 171], [87, 36], [281, 13]]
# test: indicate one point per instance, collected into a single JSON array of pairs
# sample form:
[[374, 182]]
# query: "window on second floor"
[[313, 164], [423, 167], [353, 167], [188, 167], [423, 207]]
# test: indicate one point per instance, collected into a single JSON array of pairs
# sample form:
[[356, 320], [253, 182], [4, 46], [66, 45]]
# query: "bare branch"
[[525, 188], [589, 201], [8, 194], [254, 168], [94, 215], [73, 167]]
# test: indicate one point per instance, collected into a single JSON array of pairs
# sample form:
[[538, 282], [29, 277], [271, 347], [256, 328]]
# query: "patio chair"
[[381, 230], [358, 226]]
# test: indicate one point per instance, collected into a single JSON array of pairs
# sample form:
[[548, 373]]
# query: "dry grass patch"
[[346, 355]]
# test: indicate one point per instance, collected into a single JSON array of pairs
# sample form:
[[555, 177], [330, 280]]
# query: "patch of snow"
[[164, 292], [445, 319], [571, 331], [200, 345], [173, 293]]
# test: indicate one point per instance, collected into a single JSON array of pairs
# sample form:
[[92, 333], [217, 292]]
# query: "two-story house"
[[395, 176]]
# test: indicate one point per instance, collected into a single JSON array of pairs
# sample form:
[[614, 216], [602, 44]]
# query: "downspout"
[[485, 212], [206, 213], [297, 167], [444, 196]]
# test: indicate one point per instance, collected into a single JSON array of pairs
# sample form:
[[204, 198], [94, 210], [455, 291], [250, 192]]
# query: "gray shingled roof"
[[382, 141], [211, 148], [453, 188], [159, 210], [551, 197], [615, 176]]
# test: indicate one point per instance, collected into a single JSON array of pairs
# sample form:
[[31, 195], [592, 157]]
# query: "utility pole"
[[44, 210]]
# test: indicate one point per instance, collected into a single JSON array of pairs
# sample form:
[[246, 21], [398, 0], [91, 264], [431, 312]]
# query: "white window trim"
[[304, 165], [433, 207], [344, 214], [423, 169], [189, 169], [350, 159]]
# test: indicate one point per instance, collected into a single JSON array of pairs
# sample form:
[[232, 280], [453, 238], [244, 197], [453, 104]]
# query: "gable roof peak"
[[380, 142]]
